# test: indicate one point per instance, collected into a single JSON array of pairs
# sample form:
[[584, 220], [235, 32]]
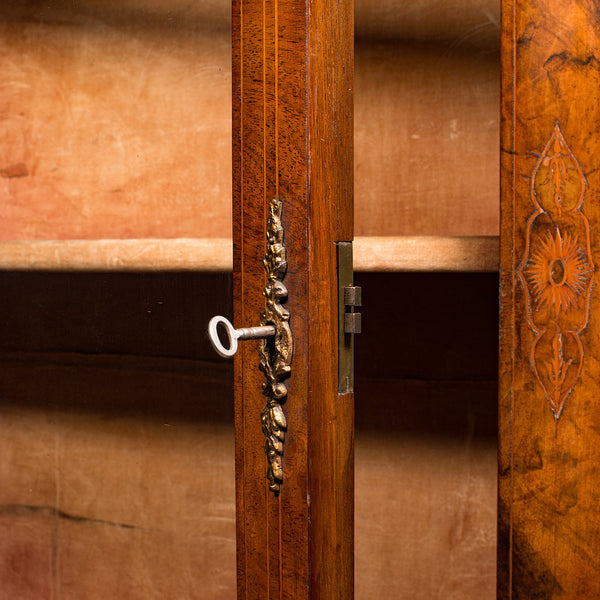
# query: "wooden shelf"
[[371, 254], [207, 254], [474, 254]]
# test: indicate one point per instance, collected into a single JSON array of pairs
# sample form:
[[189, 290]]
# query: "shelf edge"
[[471, 254], [206, 254], [476, 254]]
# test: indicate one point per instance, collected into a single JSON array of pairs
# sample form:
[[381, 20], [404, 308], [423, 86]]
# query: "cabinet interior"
[[116, 418], [116, 125]]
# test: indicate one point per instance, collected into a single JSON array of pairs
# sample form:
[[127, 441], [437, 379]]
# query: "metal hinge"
[[349, 322]]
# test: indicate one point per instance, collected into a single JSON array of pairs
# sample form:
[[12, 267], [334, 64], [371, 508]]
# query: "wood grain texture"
[[476, 254], [292, 90], [208, 254], [549, 448]]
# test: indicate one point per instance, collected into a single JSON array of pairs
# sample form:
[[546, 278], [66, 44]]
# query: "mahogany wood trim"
[[292, 96], [371, 254]]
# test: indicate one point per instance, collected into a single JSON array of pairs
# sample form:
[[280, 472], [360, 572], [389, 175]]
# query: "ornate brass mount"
[[276, 345], [276, 351]]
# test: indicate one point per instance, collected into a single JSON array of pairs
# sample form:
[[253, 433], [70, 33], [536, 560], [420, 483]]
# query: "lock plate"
[[348, 321]]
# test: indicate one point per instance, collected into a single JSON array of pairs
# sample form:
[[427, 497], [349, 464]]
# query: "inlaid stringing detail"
[[557, 271], [275, 352]]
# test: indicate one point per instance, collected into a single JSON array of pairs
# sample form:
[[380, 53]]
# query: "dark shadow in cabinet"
[[117, 437], [426, 426]]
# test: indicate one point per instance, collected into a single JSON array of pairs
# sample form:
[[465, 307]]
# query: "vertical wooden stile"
[[292, 140], [549, 463]]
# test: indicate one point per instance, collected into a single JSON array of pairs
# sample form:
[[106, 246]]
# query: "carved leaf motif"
[[557, 271], [278, 417], [558, 183], [557, 360]]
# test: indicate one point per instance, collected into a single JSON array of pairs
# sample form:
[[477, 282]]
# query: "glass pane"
[[116, 416], [115, 119], [427, 117]]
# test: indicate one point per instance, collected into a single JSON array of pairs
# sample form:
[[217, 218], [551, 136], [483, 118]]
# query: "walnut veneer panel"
[[549, 542], [292, 123], [115, 120]]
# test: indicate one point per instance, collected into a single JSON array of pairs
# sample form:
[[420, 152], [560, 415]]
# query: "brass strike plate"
[[349, 322]]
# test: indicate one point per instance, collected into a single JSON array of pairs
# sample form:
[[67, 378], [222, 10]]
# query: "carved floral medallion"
[[557, 271]]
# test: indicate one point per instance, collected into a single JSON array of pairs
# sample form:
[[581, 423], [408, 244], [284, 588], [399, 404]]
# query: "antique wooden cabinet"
[[117, 419]]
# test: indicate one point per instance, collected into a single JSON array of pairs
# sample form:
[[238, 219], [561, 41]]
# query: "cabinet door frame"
[[292, 140]]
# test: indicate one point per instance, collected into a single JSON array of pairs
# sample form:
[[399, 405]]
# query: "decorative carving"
[[276, 351], [557, 271]]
